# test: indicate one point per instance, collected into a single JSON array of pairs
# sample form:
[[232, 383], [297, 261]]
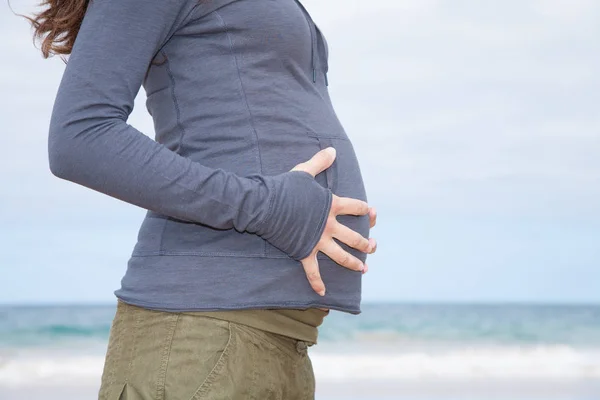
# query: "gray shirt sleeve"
[[91, 143]]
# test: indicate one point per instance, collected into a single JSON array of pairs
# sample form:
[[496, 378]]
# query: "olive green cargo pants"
[[155, 355]]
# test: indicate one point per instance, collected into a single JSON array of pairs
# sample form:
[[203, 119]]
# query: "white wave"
[[51, 370], [544, 362], [515, 363]]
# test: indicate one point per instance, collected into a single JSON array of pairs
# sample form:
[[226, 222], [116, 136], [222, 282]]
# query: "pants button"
[[301, 346]]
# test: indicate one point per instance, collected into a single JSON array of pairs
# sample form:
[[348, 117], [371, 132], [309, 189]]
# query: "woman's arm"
[[90, 142]]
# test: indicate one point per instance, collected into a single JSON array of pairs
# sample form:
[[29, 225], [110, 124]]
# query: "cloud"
[[483, 107]]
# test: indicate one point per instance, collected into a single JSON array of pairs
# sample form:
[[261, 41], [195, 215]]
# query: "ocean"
[[390, 351]]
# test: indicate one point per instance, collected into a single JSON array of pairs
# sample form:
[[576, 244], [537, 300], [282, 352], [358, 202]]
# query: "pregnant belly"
[[279, 152], [343, 177]]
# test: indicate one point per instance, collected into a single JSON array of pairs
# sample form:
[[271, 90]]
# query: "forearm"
[[112, 157]]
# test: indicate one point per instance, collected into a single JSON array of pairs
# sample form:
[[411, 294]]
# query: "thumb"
[[318, 163]]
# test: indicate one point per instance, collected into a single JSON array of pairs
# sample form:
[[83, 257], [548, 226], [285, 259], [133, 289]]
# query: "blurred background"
[[477, 126]]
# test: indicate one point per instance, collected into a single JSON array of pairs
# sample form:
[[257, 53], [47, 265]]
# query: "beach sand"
[[372, 390]]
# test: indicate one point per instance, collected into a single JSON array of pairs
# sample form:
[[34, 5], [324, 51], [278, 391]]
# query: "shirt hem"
[[185, 283], [232, 307]]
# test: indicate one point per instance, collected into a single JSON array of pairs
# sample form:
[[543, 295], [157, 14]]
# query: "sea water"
[[390, 351]]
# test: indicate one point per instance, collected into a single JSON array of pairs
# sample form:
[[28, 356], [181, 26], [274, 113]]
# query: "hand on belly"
[[333, 229]]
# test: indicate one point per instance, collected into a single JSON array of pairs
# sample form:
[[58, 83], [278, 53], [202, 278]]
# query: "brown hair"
[[57, 25]]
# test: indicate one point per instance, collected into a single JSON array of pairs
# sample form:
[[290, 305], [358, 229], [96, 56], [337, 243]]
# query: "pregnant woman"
[[257, 223]]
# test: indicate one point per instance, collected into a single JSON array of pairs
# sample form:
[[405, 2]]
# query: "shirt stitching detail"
[[245, 96], [175, 103]]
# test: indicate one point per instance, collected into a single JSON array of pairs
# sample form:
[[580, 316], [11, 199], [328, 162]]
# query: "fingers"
[[311, 268], [318, 163], [372, 242], [351, 238], [341, 256], [348, 205], [373, 246], [372, 216]]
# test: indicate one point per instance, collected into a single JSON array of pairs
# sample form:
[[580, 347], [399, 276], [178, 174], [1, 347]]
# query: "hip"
[[173, 355]]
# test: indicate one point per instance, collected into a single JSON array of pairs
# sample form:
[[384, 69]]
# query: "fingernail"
[[362, 267], [322, 292], [330, 150]]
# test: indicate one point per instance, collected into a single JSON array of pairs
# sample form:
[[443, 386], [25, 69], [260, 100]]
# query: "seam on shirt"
[[175, 103], [184, 253], [224, 26], [175, 253], [245, 96], [176, 27], [162, 234], [181, 134]]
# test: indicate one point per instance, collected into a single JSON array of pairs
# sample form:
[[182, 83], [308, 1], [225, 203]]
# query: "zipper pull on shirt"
[[313, 47], [323, 56], [313, 39]]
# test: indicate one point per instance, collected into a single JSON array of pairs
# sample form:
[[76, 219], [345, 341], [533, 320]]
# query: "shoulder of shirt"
[[201, 8]]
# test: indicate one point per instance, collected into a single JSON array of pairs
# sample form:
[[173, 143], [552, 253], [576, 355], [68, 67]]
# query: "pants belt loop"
[[301, 346]]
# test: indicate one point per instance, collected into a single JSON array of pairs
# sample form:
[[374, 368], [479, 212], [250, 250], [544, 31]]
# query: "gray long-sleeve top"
[[238, 93]]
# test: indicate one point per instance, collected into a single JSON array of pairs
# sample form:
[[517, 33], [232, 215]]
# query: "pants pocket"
[[273, 367], [112, 384], [198, 355], [137, 353]]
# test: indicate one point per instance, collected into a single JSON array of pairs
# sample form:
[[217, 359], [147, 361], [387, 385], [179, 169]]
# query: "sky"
[[476, 125]]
